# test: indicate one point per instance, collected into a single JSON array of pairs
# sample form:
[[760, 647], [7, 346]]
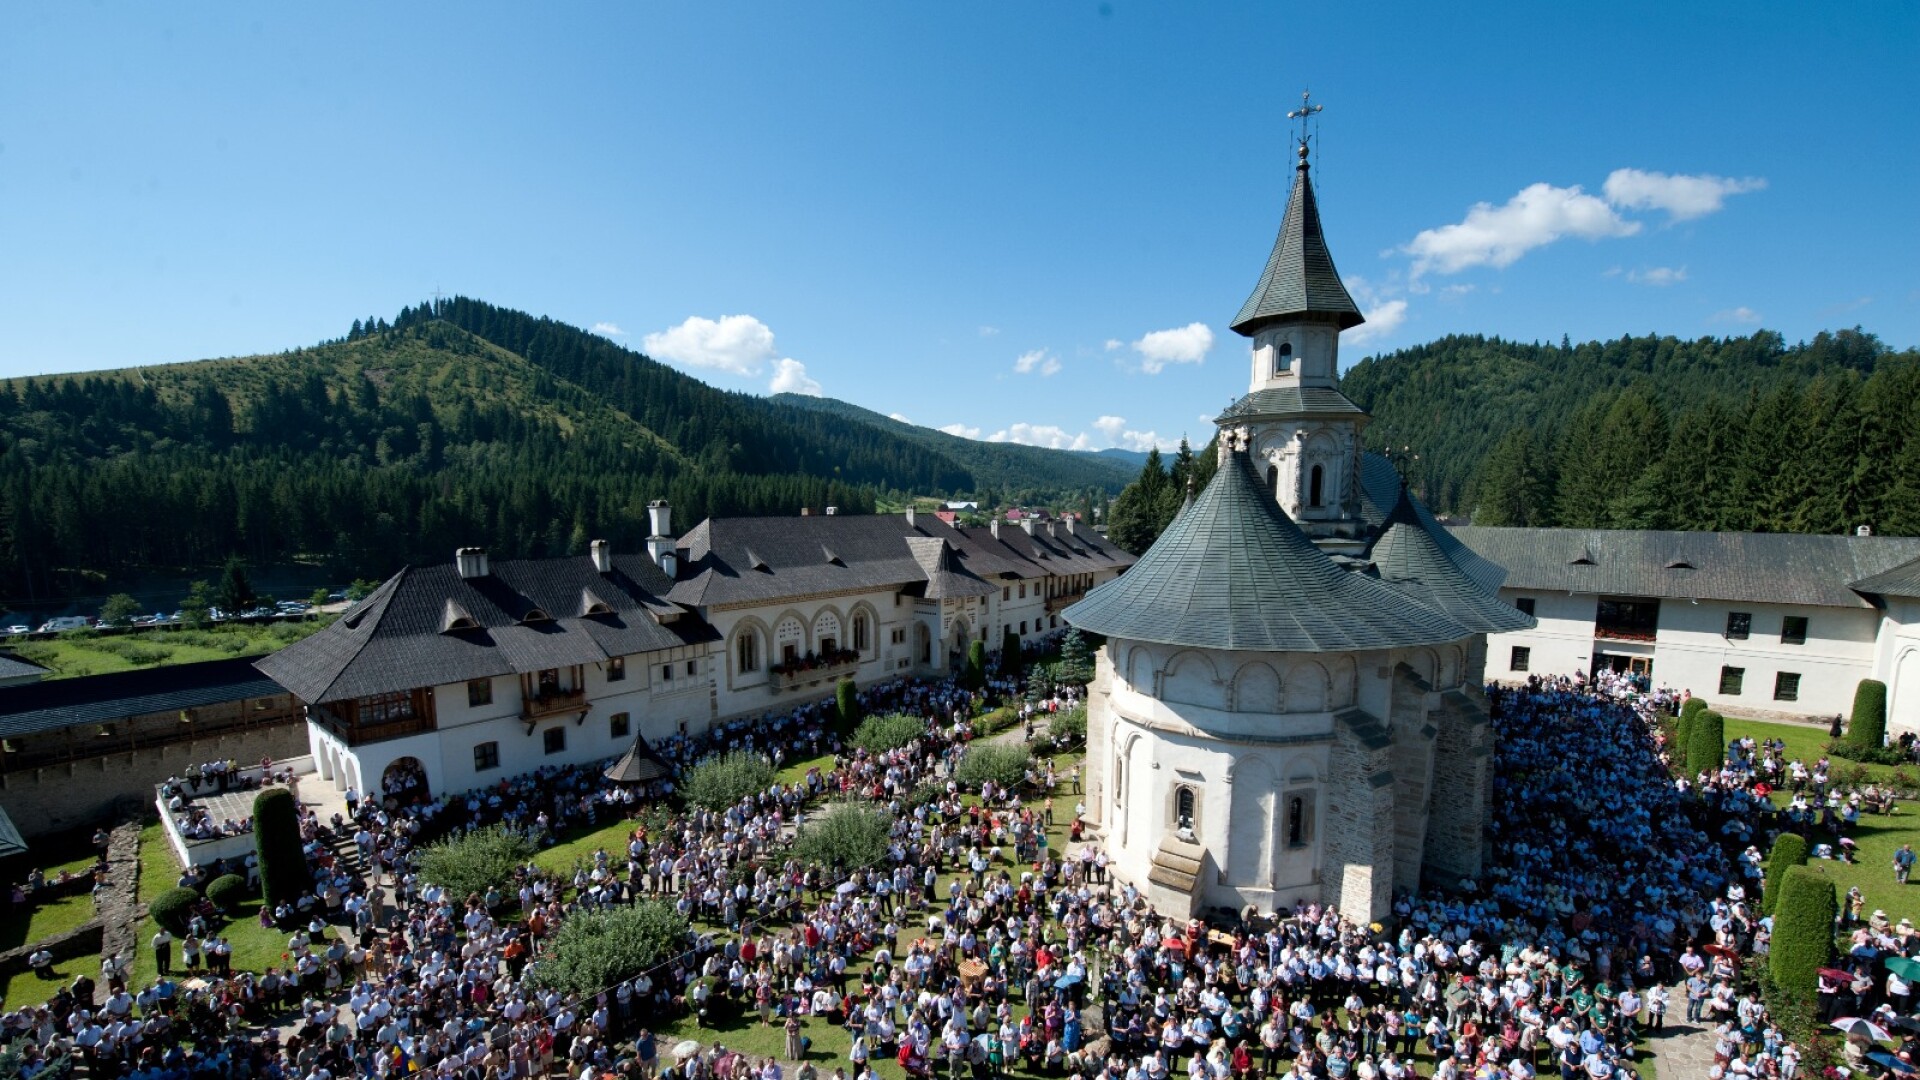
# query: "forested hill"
[[458, 423], [1743, 433]]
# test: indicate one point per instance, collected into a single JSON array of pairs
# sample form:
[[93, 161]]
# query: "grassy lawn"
[[561, 858], [71, 851], [84, 652], [1878, 836], [797, 772]]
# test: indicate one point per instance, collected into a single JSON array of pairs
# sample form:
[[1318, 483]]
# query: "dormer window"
[[1282, 359], [535, 615]]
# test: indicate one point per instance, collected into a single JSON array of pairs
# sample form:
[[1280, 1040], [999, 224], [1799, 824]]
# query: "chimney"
[[806, 511], [995, 528], [832, 510], [471, 562], [660, 538], [659, 518], [1069, 523], [1026, 523], [602, 553], [910, 517], [1864, 530]]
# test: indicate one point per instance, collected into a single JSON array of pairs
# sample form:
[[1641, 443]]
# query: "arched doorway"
[[404, 782], [957, 640], [922, 643]]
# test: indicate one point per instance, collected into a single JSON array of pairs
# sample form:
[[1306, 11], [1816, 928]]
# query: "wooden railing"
[[793, 680], [552, 703]]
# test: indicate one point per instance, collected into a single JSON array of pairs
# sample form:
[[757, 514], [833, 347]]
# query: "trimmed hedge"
[[890, 731], [1706, 741], [173, 908], [846, 700], [974, 676], [1789, 851], [276, 839], [1802, 930], [228, 892], [1693, 705], [719, 782], [1682, 731], [1869, 728]]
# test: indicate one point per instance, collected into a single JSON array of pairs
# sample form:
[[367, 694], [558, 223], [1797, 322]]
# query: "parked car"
[[16, 628], [61, 623]]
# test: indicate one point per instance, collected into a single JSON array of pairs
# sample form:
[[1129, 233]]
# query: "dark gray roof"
[[1762, 568], [1902, 580], [12, 667], [102, 699], [1234, 572], [402, 637], [1289, 401], [946, 578], [1407, 556], [1299, 281], [638, 765], [1380, 489], [764, 559]]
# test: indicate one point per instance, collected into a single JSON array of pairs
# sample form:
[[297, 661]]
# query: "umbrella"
[[685, 1048], [1892, 1062], [195, 983], [1065, 981], [1905, 967], [1858, 1027], [1836, 974], [1721, 950], [1906, 1023], [845, 887]]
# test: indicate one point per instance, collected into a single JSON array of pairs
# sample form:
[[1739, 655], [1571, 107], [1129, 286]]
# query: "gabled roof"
[[103, 699], [946, 578], [1299, 281], [1234, 572], [402, 637], [1902, 580], [1761, 568], [1406, 556], [13, 667]]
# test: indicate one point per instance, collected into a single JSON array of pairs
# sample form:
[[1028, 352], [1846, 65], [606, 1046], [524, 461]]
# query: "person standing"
[[163, 952], [1903, 863], [796, 1043]]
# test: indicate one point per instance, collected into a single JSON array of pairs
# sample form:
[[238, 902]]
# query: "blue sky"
[[1025, 220]]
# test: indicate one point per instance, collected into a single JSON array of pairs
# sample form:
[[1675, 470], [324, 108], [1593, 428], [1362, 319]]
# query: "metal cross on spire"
[[1305, 112]]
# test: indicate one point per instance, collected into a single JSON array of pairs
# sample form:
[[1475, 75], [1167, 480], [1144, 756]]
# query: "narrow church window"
[[1299, 822], [747, 652], [1317, 486], [1183, 809], [860, 633], [1273, 480], [1119, 779], [1283, 358]]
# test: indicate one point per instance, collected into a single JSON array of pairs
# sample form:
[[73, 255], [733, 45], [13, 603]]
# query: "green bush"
[[1076, 659], [846, 699], [1802, 930], [974, 676], [718, 782], [1005, 765], [1869, 727], [1870, 755], [1682, 731], [1069, 727], [846, 836], [1009, 650], [476, 861], [1693, 705], [879, 734], [597, 949], [228, 892], [173, 908], [1707, 741], [276, 839], [1789, 851]]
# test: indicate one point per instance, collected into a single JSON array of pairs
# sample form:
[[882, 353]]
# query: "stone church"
[[1287, 707]]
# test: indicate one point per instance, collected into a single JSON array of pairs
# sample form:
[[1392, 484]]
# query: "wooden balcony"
[[1057, 604], [553, 703], [827, 674], [1625, 633], [342, 718]]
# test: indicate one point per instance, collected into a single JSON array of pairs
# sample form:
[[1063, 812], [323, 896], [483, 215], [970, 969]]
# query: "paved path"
[[1682, 1051]]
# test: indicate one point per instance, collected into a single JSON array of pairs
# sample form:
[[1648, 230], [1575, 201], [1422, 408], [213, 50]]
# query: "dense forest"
[[1742, 433], [457, 423]]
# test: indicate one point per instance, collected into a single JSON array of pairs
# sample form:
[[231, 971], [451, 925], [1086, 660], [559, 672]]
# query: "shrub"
[[718, 782], [1682, 731], [1693, 705], [1869, 727], [1802, 930], [1009, 650], [173, 908], [975, 675], [848, 835], [276, 839], [1069, 727], [879, 734], [597, 949], [228, 892], [1005, 765], [1707, 741], [846, 698], [476, 861], [1789, 851]]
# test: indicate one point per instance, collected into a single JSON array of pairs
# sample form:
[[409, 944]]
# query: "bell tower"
[[1302, 431]]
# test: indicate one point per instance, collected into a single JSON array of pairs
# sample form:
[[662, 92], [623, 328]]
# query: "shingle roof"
[[1763, 568], [1289, 401], [1902, 580], [1407, 556], [396, 639], [946, 578], [1234, 572], [1299, 280], [101, 699], [12, 667], [638, 765]]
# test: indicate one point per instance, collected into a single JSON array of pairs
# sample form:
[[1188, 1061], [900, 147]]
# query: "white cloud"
[[1115, 344], [1682, 197], [739, 344], [1115, 429], [1187, 344], [961, 430], [607, 329], [1741, 314], [1050, 436], [1658, 276], [1382, 319], [1142, 440], [899, 417], [1111, 426], [1040, 360], [1499, 235], [1206, 420], [989, 331], [790, 377]]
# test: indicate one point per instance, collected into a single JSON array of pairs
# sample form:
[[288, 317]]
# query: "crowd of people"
[[1611, 896]]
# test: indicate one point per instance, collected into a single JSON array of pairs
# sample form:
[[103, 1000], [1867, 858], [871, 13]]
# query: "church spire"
[[1300, 282]]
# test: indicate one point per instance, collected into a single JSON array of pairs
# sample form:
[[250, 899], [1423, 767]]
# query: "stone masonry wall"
[[1357, 876], [1462, 790]]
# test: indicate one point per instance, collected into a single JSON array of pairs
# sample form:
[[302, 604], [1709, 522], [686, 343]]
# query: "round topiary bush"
[[597, 949], [1789, 851], [879, 734], [1005, 765], [1802, 931], [173, 908], [284, 875], [1869, 727], [718, 782], [228, 892], [848, 836], [1707, 741], [1693, 705], [476, 861]]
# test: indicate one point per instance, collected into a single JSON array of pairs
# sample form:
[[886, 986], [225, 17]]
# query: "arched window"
[[1299, 821], [746, 652], [826, 632], [860, 633], [1183, 803], [1119, 778], [789, 638], [1316, 486], [1283, 358], [1273, 480]]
